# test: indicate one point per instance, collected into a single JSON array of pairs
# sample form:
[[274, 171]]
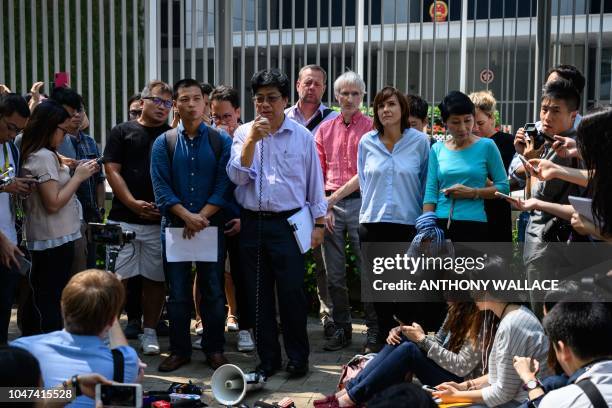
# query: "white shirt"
[[573, 396], [294, 113], [7, 215]]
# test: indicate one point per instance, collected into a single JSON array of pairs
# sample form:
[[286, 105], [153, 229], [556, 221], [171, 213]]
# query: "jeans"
[[8, 282], [212, 305], [390, 367]]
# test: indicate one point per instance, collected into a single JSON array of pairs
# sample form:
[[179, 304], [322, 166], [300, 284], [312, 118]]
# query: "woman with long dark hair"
[[594, 141], [52, 215], [454, 353]]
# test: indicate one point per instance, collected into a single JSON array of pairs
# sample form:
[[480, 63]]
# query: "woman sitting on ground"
[[454, 353], [519, 333]]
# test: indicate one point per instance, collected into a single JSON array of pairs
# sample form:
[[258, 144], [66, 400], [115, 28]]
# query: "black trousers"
[[429, 315], [282, 267], [233, 253], [8, 283], [51, 271], [465, 231]]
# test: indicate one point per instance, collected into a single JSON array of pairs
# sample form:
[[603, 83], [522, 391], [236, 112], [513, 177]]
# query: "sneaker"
[[231, 323], [197, 344], [199, 328], [338, 341], [148, 342], [329, 329], [245, 341], [133, 329], [372, 344]]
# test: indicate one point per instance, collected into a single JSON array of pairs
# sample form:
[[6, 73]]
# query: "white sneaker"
[[245, 341], [148, 342], [197, 344], [232, 326]]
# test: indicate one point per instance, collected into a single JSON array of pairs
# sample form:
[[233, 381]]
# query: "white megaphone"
[[230, 384]]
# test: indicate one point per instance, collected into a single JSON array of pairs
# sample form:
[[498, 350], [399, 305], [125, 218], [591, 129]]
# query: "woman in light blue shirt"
[[392, 165], [462, 173]]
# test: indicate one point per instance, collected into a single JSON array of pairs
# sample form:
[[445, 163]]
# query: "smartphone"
[[398, 320], [119, 395], [502, 195], [429, 388], [62, 79], [24, 266], [528, 166]]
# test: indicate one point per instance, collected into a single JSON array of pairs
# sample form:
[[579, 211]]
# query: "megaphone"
[[230, 384]]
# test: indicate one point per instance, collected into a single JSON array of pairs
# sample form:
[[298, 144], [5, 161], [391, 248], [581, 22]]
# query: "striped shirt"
[[520, 333], [465, 363]]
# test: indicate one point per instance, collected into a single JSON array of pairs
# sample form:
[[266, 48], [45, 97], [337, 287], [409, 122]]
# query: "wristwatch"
[[319, 225], [532, 385]]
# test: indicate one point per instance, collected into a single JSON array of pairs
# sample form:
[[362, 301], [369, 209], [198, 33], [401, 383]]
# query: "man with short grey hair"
[[310, 112], [337, 142]]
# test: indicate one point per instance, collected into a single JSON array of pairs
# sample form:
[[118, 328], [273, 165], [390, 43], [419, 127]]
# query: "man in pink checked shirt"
[[337, 141]]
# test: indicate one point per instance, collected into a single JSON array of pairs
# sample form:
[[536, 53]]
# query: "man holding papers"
[[189, 180], [275, 166]]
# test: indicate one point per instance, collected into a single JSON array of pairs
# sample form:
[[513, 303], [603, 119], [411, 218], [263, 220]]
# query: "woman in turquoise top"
[[462, 173]]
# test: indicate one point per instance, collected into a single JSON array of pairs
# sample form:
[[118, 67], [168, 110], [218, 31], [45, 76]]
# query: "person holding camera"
[[14, 113], [127, 166], [190, 185], [559, 107], [52, 215]]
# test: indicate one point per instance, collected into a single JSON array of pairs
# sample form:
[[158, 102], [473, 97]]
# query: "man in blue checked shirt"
[[190, 182], [276, 169]]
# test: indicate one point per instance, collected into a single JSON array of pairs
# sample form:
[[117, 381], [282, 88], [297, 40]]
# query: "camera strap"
[[593, 394], [118, 365]]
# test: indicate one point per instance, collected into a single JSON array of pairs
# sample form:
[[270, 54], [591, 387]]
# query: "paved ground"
[[321, 380]]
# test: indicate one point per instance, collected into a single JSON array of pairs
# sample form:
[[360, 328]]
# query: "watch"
[[75, 383], [532, 385], [319, 225]]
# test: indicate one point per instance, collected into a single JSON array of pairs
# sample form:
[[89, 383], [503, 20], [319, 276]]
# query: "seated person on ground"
[[453, 354], [90, 303], [519, 333]]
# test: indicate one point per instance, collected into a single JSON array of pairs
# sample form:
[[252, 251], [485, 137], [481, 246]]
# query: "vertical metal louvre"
[[103, 45]]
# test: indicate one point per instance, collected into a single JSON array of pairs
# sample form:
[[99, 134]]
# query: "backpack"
[[214, 137]]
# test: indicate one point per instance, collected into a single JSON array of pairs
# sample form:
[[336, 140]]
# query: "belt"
[[270, 214], [354, 194]]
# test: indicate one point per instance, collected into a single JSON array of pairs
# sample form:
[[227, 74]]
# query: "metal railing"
[[111, 47]]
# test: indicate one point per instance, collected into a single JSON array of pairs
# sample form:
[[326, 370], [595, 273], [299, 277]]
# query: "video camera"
[[109, 234]]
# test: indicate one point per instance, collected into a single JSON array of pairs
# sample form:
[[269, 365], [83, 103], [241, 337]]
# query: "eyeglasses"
[[12, 127], [271, 99], [63, 130], [223, 118], [166, 103], [350, 94]]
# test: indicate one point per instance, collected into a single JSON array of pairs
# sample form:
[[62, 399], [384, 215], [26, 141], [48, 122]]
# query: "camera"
[[538, 137], [7, 176], [109, 234]]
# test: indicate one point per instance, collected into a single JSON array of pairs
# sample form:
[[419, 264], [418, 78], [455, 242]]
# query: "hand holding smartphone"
[[119, 395], [528, 167]]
